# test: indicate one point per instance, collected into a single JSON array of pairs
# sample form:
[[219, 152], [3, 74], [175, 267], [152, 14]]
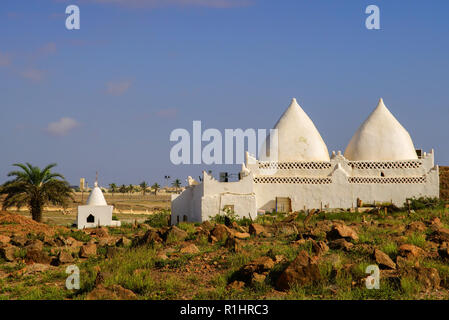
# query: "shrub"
[[425, 203], [159, 219]]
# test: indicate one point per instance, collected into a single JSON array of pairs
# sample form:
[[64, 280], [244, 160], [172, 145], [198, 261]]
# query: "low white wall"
[[334, 184], [102, 215]]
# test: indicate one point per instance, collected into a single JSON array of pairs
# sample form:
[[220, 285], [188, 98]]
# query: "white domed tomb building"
[[380, 164], [96, 212]]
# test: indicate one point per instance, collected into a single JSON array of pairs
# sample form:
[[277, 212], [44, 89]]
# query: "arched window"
[[90, 218]]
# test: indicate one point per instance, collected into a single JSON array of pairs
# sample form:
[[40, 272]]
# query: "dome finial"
[[96, 179]]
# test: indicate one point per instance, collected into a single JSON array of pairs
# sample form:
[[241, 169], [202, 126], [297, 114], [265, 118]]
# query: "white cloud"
[[118, 88], [62, 127]]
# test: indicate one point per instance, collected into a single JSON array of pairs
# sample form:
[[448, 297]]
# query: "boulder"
[[35, 269], [101, 232], [190, 249], [416, 226], [34, 245], [341, 244], [37, 256], [440, 235], [64, 257], [319, 247], [250, 272], [207, 225], [202, 232], [88, 250], [174, 234], [436, 223], [8, 252], [151, 236], [342, 231], [383, 260], [411, 251], [19, 240], [241, 235], [4, 239], [114, 292], [237, 227], [286, 229], [303, 270], [220, 232], [256, 229]]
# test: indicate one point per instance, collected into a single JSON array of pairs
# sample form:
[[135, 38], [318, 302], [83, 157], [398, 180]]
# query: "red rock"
[[411, 251], [4, 239], [319, 247], [37, 256], [340, 231], [88, 250], [302, 270], [114, 292], [383, 260], [220, 232], [8, 252], [190, 249], [256, 229]]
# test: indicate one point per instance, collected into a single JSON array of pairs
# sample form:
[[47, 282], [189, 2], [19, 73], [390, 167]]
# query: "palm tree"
[[123, 189], [176, 184], [113, 188], [130, 190], [156, 187], [35, 188], [144, 186]]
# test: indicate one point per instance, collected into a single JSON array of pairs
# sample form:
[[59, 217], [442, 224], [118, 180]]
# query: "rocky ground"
[[322, 255]]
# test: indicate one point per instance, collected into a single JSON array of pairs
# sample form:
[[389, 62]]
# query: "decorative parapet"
[[310, 165], [388, 180], [379, 165], [292, 180]]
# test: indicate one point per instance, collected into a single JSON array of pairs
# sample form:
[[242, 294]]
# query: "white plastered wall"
[[102, 215], [337, 183]]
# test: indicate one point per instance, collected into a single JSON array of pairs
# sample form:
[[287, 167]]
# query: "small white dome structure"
[[96, 212], [381, 138], [298, 138], [96, 197]]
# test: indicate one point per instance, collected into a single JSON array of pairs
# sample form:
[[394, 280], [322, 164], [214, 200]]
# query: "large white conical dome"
[[298, 138], [381, 137], [96, 197]]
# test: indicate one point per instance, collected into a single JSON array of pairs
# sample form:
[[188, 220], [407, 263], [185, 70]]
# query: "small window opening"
[[90, 219]]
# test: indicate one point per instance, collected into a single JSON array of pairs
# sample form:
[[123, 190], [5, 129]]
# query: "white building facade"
[[380, 164], [96, 212]]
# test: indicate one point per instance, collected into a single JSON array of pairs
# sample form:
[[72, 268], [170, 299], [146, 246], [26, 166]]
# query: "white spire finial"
[[96, 179]]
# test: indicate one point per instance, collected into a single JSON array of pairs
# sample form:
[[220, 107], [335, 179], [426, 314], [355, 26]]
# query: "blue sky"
[[107, 96]]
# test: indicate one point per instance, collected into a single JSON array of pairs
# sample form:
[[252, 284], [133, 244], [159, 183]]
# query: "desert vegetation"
[[301, 255]]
